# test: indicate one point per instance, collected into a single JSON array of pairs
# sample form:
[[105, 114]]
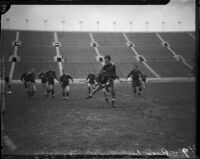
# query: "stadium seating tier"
[[109, 39], [170, 69], [78, 53], [144, 39], [20, 66], [118, 53], [81, 69]]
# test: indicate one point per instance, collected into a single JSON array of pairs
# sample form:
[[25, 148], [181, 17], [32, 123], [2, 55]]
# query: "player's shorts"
[[43, 81], [91, 82], [64, 85], [136, 84], [51, 82], [25, 84]]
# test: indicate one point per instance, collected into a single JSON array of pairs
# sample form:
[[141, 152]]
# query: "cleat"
[[139, 94], [67, 98], [88, 97], [53, 96], [135, 95], [113, 103], [106, 100]]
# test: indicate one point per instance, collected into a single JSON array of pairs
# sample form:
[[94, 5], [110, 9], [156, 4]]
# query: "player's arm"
[[128, 75], [71, 78], [87, 78], [22, 77]]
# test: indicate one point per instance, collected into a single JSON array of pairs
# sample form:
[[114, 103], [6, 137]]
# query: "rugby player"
[[91, 80], [24, 78], [51, 75], [64, 80], [106, 79], [7, 80], [43, 78], [31, 86], [136, 80]]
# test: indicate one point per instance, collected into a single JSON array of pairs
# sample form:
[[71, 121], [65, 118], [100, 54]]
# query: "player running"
[[51, 75], [91, 80], [43, 78], [31, 86], [136, 81], [64, 80], [7, 80], [24, 78], [106, 79]]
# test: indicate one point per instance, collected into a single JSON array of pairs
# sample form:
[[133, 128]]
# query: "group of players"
[[103, 81]]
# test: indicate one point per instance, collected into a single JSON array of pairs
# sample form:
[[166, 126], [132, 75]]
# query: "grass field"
[[164, 117]]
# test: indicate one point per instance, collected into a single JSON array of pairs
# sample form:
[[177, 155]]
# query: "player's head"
[[107, 59], [50, 67], [63, 71], [135, 67], [33, 70], [25, 69]]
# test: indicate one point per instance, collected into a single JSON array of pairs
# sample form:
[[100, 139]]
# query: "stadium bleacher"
[[188, 52], [74, 39], [123, 68], [6, 51], [36, 51], [170, 68], [7, 66], [178, 39], [144, 39], [6, 47], [36, 38], [20, 66], [81, 69], [118, 53], [39, 53], [7, 37], [155, 53], [109, 39], [78, 53]]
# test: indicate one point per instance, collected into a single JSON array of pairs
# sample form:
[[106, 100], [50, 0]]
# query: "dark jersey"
[[91, 77], [51, 75], [109, 71], [135, 75], [7, 79], [43, 77], [31, 77], [24, 77], [65, 79]]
